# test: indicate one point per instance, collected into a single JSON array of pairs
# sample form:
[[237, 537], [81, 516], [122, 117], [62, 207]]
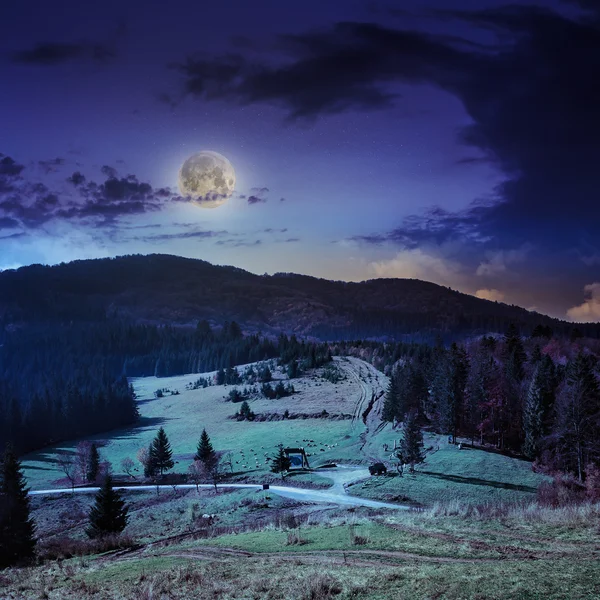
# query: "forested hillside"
[[539, 397], [63, 381], [163, 289]]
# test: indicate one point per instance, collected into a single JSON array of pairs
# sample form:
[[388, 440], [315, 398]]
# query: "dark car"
[[378, 469]]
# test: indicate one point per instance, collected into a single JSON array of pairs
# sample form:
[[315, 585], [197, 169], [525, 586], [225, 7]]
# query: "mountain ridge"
[[168, 289]]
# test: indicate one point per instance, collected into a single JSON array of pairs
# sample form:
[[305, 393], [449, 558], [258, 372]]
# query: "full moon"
[[208, 178]]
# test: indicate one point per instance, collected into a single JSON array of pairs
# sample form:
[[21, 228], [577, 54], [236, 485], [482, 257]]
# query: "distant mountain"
[[163, 289]]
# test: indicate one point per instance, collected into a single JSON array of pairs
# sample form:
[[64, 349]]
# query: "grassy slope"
[[468, 475], [183, 416], [519, 555], [451, 552]]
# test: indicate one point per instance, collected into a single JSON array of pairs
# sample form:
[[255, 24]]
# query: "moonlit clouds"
[[589, 310], [493, 295]]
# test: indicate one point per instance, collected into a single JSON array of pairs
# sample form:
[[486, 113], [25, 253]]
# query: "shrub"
[[295, 539], [322, 587], [563, 490], [65, 547]]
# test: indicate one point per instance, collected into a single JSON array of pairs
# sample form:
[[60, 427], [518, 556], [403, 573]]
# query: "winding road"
[[334, 495]]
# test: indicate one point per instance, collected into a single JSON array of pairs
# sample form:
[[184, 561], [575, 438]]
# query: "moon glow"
[[208, 178]]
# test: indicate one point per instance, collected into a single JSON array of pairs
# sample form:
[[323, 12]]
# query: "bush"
[[563, 490], [295, 539], [322, 587], [65, 547]]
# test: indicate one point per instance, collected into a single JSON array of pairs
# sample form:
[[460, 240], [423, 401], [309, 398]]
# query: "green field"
[[184, 415]]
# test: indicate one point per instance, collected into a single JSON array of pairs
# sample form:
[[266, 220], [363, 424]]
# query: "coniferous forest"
[[537, 397], [60, 382]]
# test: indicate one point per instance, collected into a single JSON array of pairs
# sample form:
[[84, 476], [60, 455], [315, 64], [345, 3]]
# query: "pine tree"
[[94, 464], [281, 462], [205, 451], [515, 356], [17, 542], [533, 417], [109, 513], [246, 413], [390, 404], [577, 411], [161, 455], [411, 445]]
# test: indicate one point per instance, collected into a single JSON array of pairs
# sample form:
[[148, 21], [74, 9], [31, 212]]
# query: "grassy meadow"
[[476, 530]]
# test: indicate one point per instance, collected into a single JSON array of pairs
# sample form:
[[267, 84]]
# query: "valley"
[[337, 528]]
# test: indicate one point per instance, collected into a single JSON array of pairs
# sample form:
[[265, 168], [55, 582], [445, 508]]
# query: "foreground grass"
[[451, 551], [180, 577]]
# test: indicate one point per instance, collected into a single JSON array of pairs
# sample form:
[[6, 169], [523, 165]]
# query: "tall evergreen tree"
[[392, 398], [205, 451], [515, 356], [533, 411], [161, 455], [17, 541], [578, 412], [94, 464], [281, 462], [109, 513], [411, 445]]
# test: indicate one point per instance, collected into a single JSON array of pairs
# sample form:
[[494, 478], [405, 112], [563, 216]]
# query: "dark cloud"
[[30, 205], [181, 235], [108, 171], [258, 195], [255, 200], [9, 168], [76, 179], [532, 94], [52, 165], [50, 53]]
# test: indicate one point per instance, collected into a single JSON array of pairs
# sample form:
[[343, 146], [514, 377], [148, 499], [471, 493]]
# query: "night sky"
[[452, 141]]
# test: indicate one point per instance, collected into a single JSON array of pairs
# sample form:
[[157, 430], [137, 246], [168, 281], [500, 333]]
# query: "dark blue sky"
[[455, 142]]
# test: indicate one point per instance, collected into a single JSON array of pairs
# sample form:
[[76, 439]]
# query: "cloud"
[[182, 235], [590, 309], [258, 195], [52, 165], [8, 167], [491, 294], [76, 178], [497, 262], [419, 264], [51, 53], [255, 199], [30, 205]]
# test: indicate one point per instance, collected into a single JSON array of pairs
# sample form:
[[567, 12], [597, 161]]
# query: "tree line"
[[538, 397], [58, 382]]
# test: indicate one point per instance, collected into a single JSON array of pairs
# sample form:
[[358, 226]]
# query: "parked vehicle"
[[378, 469]]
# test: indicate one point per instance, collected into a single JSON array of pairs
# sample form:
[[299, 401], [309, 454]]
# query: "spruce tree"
[[205, 451], [246, 413], [281, 462], [390, 404], [94, 464], [411, 445], [161, 455], [533, 411], [109, 513], [17, 542], [515, 356]]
